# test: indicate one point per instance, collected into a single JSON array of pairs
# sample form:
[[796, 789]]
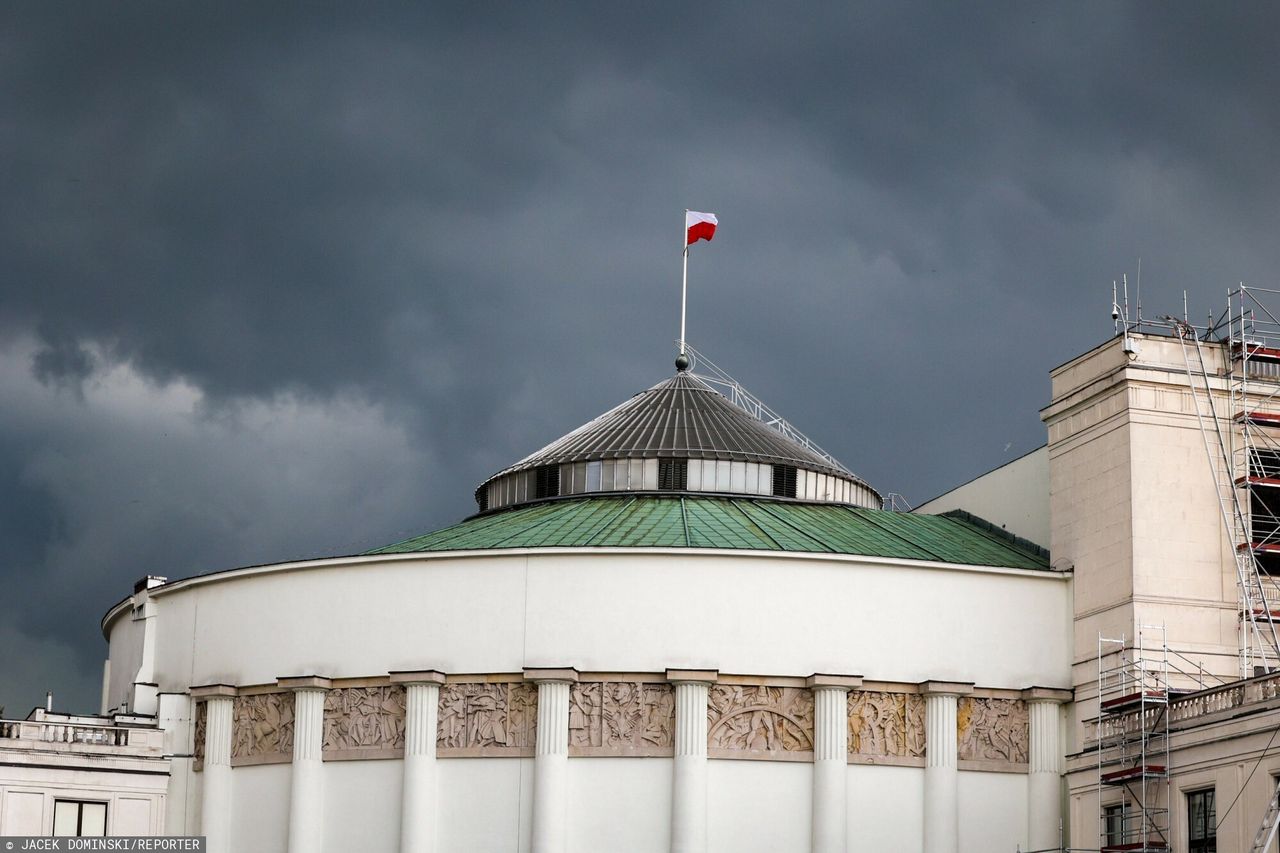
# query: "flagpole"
[[684, 284]]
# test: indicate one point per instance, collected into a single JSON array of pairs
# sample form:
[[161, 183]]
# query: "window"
[[673, 474], [1113, 825], [72, 817], [1202, 822], [546, 482], [784, 481]]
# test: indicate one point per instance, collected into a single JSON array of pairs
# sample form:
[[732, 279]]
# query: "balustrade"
[[74, 733], [1213, 700]]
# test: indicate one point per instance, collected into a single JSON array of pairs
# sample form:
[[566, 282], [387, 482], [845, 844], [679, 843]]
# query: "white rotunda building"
[[676, 628], [683, 627]]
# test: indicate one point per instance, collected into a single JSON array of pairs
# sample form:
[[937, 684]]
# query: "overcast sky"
[[285, 281]]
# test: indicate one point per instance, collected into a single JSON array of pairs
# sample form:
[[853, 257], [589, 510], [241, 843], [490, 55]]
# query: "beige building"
[[1145, 466]]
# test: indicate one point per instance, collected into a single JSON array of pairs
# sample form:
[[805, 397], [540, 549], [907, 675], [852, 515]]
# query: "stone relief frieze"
[[889, 725], [480, 718], [992, 730], [201, 724], [759, 721], [621, 718], [262, 728], [364, 718]]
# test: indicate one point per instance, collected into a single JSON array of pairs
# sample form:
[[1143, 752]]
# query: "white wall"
[[362, 806], [484, 804], [993, 812], [260, 808], [617, 611], [175, 719], [759, 805], [1014, 496], [886, 808], [620, 804], [27, 796], [603, 611], [126, 656], [22, 811], [624, 804]]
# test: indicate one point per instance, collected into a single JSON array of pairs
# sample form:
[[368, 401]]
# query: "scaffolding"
[[1235, 395], [1253, 336], [1243, 446], [1133, 741]]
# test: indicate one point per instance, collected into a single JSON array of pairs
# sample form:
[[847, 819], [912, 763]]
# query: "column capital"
[[946, 688], [552, 674], [212, 691], [417, 676], [826, 679], [1047, 694], [303, 682], [694, 676]]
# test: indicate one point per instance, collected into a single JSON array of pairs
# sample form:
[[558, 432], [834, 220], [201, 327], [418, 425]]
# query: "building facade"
[[680, 628], [675, 629], [63, 774]]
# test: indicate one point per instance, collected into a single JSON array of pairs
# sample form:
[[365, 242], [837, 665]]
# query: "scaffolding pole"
[[1133, 741]]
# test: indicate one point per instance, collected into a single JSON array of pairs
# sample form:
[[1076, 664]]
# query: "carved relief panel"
[[487, 719], [621, 718], [262, 728], [886, 728], [201, 724], [992, 730], [759, 721], [364, 722]]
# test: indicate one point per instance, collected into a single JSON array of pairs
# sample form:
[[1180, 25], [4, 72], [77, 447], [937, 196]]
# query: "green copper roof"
[[757, 524]]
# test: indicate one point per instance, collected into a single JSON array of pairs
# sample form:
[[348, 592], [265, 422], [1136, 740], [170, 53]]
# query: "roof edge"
[[996, 530]]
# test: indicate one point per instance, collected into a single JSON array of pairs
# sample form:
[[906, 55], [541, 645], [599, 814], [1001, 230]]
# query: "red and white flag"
[[700, 226]]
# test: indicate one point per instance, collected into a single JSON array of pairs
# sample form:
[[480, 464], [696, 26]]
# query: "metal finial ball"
[[682, 362]]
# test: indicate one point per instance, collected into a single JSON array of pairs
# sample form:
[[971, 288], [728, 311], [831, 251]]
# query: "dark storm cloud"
[[284, 281]]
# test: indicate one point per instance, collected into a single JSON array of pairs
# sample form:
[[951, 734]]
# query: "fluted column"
[[1044, 777], [551, 759], [830, 760], [306, 790], [418, 794], [941, 773], [689, 782], [215, 805]]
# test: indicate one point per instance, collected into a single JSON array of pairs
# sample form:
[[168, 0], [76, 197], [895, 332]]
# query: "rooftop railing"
[[1190, 709], [49, 732]]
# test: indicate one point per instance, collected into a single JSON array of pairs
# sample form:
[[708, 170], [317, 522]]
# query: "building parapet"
[[64, 736], [1213, 704]]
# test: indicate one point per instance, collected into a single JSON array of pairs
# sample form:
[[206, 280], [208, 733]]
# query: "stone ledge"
[[304, 682], [701, 676], [946, 688], [822, 679], [553, 674], [212, 691], [417, 676]]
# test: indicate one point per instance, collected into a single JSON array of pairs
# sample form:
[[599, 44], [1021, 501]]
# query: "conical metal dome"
[[679, 435]]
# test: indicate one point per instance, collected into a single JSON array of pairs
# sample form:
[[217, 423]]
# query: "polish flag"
[[700, 226]]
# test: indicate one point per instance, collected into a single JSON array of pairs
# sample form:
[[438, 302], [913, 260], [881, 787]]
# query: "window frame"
[[80, 804], [1204, 801], [1113, 819]]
